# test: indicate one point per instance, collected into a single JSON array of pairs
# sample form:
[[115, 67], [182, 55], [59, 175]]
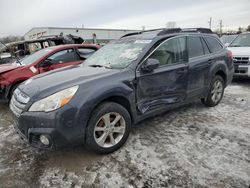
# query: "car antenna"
[[17, 59]]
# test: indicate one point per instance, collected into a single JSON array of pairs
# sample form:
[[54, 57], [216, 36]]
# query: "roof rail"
[[178, 30], [164, 31], [143, 31]]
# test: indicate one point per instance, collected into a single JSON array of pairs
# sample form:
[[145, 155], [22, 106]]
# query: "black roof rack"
[[189, 30], [164, 31], [143, 31]]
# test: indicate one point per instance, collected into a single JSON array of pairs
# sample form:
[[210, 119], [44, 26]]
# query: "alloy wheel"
[[217, 91], [109, 130]]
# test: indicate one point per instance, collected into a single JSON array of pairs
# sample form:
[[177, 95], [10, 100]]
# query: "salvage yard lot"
[[192, 146]]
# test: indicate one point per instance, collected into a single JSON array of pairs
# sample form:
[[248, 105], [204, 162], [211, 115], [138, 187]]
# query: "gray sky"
[[18, 16]]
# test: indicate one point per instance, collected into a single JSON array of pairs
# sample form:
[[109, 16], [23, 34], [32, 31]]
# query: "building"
[[88, 34]]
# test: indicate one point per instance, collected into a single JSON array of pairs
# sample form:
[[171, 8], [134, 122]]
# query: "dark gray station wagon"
[[138, 76]]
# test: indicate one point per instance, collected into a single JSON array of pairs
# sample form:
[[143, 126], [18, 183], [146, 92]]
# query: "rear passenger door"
[[199, 62]]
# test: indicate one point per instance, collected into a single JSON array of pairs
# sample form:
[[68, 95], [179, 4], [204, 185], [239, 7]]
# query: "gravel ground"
[[192, 146]]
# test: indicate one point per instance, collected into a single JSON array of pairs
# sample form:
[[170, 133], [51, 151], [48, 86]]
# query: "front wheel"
[[108, 128], [215, 92]]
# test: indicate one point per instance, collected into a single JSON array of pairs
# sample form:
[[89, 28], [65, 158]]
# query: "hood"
[[53, 81], [240, 51], [8, 67]]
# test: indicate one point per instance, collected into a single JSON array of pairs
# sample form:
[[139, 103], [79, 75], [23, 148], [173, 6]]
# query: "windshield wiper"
[[105, 66]]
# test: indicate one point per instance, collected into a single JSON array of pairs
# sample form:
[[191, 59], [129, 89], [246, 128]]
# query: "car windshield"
[[32, 58], [117, 54], [242, 40]]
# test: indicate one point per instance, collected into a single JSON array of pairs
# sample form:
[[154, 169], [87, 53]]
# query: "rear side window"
[[213, 44], [85, 52], [195, 47], [206, 50]]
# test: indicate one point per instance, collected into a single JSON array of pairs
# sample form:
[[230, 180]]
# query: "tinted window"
[[195, 48], [170, 52], [63, 56], [85, 52], [206, 50], [213, 44]]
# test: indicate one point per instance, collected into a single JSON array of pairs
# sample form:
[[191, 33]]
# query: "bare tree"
[[171, 25], [248, 28], [9, 39]]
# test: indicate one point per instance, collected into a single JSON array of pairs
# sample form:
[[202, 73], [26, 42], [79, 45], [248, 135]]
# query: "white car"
[[240, 48]]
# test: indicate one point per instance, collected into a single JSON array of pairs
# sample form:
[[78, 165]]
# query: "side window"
[[213, 44], [195, 48], [85, 53], [171, 51], [206, 50], [63, 56]]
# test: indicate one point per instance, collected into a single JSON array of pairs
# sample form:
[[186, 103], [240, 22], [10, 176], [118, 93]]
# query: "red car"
[[11, 75]]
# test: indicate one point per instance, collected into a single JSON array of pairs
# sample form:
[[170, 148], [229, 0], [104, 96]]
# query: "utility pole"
[[210, 23], [221, 28]]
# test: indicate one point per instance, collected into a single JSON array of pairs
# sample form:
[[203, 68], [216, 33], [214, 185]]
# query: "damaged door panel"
[[166, 84]]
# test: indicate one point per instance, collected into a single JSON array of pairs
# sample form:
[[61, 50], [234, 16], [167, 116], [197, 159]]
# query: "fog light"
[[45, 140]]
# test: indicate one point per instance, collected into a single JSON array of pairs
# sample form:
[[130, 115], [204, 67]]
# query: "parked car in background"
[[138, 76], [240, 48], [227, 39], [18, 50], [11, 75]]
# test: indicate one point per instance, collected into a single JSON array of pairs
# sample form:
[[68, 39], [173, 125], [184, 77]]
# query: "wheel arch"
[[221, 73], [7, 95], [119, 99]]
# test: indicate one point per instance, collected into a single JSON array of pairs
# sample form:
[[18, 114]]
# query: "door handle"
[[182, 70], [210, 61]]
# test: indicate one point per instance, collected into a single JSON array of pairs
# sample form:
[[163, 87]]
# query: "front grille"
[[18, 102], [241, 60]]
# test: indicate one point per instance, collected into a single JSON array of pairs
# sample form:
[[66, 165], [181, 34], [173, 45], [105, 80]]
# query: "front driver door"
[[60, 59], [166, 85]]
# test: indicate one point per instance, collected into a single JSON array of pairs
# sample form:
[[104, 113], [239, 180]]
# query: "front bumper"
[[242, 70], [31, 125]]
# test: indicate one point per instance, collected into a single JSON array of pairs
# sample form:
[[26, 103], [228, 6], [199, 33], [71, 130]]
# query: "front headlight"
[[54, 101]]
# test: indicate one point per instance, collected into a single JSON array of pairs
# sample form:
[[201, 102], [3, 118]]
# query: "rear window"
[[213, 44], [195, 48]]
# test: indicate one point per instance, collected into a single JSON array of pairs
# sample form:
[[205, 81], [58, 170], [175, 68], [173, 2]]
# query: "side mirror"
[[150, 65], [46, 63]]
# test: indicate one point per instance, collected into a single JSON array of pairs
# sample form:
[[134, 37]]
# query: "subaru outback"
[[137, 76]]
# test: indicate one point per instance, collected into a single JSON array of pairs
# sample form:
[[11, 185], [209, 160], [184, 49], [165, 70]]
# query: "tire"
[[215, 92], [102, 128]]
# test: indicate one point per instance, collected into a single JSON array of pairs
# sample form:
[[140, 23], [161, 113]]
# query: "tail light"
[[230, 54]]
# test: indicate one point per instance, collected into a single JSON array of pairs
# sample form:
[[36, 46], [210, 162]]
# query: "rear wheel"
[[108, 128], [215, 93]]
